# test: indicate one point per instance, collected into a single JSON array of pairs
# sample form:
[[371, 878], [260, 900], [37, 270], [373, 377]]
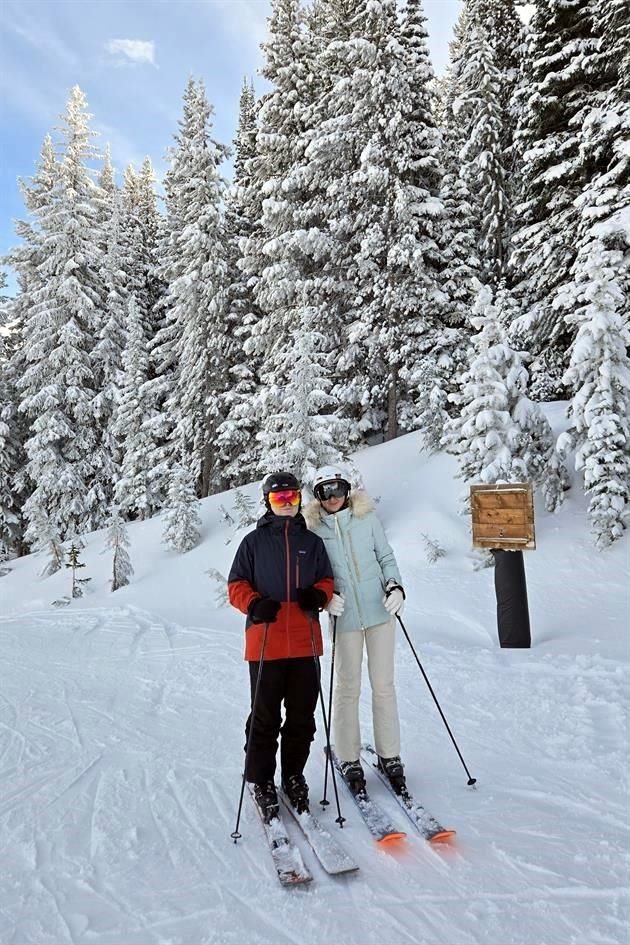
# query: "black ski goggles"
[[332, 490]]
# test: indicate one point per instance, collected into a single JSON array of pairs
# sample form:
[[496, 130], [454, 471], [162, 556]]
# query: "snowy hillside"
[[121, 734]]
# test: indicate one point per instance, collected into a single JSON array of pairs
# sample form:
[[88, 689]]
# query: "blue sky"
[[132, 59]]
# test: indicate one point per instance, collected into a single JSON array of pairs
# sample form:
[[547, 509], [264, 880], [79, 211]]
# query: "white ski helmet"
[[329, 474]]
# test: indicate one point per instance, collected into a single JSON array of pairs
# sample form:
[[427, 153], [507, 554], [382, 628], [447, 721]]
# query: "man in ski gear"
[[368, 594], [281, 578]]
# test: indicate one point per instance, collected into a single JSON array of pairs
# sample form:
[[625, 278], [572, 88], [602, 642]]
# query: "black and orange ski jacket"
[[274, 560]]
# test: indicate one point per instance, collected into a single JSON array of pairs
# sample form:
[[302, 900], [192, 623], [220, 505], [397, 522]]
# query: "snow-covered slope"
[[121, 734]]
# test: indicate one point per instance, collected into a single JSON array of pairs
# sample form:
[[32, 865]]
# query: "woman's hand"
[[336, 605], [394, 599]]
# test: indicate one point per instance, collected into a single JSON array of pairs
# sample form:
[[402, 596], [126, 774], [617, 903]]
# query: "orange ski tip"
[[392, 838], [442, 837]]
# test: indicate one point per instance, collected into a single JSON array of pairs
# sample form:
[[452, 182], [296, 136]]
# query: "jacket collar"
[[359, 506], [271, 520]]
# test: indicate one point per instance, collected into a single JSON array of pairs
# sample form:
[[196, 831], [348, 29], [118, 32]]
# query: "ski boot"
[[296, 789], [267, 800], [394, 771], [352, 773]]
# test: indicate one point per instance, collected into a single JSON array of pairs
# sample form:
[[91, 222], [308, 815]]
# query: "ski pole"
[[324, 801], [235, 835], [340, 818], [471, 780]]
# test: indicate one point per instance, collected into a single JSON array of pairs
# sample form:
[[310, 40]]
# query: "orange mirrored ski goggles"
[[286, 497]]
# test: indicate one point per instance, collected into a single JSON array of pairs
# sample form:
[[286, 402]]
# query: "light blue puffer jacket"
[[361, 557]]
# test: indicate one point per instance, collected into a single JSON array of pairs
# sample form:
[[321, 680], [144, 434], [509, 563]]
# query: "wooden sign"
[[503, 516]]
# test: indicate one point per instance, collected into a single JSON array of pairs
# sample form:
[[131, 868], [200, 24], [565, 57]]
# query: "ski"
[[422, 820], [374, 817], [330, 854], [286, 857]]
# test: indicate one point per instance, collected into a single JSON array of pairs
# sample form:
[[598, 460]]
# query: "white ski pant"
[[379, 643]]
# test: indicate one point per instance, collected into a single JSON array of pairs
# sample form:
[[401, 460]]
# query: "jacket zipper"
[[288, 559], [350, 562]]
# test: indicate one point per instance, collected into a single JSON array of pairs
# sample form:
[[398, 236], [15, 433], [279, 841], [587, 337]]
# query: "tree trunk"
[[392, 404]]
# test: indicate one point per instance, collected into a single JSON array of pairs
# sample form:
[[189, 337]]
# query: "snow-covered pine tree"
[[299, 430], [244, 509], [74, 563], [372, 172], [484, 128], [414, 258], [562, 74], [50, 544], [196, 270], [273, 256], [236, 433], [118, 543], [24, 259], [435, 375], [183, 524], [133, 491], [108, 350], [596, 301], [11, 454], [459, 236], [66, 463], [500, 434], [599, 376], [151, 228]]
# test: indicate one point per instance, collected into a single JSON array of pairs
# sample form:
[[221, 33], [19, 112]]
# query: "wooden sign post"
[[503, 522], [503, 516]]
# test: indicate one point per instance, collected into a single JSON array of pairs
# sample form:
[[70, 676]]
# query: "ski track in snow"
[[120, 763]]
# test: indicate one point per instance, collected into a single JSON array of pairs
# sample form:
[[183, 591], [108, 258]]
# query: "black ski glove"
[[310, 598], [263, 610]]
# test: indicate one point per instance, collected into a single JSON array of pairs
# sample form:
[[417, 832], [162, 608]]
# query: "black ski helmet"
[[276, 482]]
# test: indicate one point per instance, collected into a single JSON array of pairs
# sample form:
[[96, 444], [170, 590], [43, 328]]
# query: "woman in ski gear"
[[368, 595], [281, 578]]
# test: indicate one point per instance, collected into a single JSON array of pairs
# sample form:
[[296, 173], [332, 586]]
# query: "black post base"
[[511, 590]]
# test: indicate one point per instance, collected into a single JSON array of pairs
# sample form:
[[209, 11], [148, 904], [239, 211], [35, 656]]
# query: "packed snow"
[[121, 746]]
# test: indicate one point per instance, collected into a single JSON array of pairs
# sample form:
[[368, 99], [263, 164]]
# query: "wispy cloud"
[[44, 39], [139, 51]]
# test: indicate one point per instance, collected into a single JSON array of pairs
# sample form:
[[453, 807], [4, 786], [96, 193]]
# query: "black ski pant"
[[294, 682]]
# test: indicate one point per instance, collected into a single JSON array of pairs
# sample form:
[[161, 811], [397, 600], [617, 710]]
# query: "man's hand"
[[310, 598], [263, 610]]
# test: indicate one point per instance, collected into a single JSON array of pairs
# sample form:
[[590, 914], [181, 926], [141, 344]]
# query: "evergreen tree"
[[500, 434], [74, 563], [48, 542], [183, 524], [11, 452], [459, 234], [24, 259], [298, 432], [66, 463], [107, 353], [271, 257], [435, 375], [594, 302], [118, 542], [564, 77], [370, 210], [236, 433], [133, 491], [599, 376], [195, 299], [480, 121]]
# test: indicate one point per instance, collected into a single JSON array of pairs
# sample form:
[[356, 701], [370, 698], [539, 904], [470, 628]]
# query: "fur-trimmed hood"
[[360, 504], [361, 557]]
